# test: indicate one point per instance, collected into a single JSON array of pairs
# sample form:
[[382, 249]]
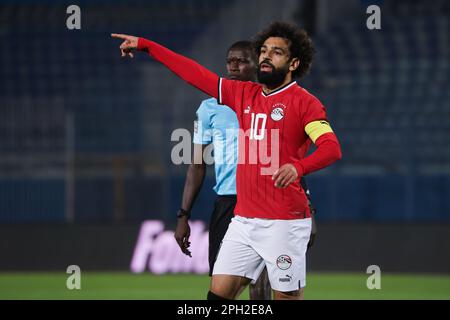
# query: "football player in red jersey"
[[272, 220]]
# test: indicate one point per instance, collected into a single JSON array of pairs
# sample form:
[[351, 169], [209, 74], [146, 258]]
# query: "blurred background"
[[85, 136]]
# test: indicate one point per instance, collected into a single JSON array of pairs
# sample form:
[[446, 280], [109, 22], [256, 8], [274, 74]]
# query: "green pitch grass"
[[174, 287]]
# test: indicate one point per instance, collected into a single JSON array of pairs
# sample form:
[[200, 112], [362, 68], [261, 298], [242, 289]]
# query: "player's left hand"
[[182, 234], [285, 175]]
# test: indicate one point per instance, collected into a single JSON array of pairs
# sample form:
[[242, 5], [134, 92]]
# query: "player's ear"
[[295, 63]]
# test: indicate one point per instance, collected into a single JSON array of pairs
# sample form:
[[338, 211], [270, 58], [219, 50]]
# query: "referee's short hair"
[[244, 45]]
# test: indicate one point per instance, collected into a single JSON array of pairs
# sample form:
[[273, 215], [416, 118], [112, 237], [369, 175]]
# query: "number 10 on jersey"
[[258, 126]]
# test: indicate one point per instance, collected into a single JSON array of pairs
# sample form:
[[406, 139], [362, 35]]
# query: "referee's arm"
[[194, 180]]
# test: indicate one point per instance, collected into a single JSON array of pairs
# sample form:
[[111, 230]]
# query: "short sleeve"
[[202, 126]]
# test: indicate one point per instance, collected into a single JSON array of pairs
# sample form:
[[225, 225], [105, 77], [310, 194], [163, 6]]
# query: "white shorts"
[[280, 245]]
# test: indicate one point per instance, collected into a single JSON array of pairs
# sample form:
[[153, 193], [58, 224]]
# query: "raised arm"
[[185, 68]]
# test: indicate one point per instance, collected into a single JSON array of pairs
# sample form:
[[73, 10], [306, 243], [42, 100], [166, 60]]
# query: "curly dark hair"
[[300, 44]]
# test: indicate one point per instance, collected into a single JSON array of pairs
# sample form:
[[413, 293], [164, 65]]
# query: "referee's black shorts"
[[220, 219]]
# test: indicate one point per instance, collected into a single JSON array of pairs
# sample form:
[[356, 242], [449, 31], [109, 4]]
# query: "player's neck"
[[269, 89]]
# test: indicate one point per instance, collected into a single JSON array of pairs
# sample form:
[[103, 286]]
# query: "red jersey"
[[287, 111], [276, 122]]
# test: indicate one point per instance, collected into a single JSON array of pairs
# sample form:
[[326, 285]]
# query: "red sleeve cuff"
[[143, 44], [298, 166]]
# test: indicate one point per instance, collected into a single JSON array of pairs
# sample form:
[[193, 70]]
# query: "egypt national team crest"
[[284, 262], [277, 112]]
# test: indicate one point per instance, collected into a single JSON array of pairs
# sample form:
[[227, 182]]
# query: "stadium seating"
[[385, 88], [66, 96], [387, 94]]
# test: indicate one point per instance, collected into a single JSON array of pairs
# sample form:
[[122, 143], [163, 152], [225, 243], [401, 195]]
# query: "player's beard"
[[275, 78]]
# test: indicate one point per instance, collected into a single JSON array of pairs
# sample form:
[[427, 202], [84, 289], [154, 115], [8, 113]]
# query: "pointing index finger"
[[118, 35]]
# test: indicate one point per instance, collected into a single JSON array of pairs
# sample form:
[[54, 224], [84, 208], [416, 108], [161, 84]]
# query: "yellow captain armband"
[[317, 128]]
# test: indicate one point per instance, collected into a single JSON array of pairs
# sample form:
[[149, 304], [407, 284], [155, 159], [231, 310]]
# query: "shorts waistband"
[[226, 196]]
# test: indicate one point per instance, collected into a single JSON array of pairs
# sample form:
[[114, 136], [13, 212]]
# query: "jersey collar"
[[283, 88]]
